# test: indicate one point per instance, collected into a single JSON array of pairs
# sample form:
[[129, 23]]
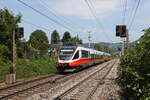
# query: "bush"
[[29, 67], [134, 74], [4, 64], [33, 67], [4, 52], [4, 69]]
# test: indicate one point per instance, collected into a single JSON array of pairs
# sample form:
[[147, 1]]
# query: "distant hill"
[[113, 46]]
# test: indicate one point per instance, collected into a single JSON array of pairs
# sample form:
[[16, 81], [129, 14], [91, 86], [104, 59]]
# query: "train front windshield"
[[64, 57], [65, 54]]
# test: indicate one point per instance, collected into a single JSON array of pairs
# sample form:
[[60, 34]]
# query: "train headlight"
[[59, 64]]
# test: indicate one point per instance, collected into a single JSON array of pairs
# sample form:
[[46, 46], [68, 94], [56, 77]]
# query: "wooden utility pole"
[[11, 78], [127, 40], [126, 43], [123, 46], [14, 54]]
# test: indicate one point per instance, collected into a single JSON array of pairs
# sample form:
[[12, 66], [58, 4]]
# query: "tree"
[[66, 37], [102, 48], [98, 47], [38, 41], [76, 39], [134, 73], [8, 23], [146, 34], [4, 53], [55, 39]]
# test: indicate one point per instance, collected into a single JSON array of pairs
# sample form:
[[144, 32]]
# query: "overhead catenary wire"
[[134, 14], [93, 12], [30, 23], [124, 12], [62, 18], [98, 20], [46, 16], [35, 25], [131, 13], [54, 13]]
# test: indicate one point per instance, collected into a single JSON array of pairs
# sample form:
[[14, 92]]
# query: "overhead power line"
[[93, 12], [131, 13], [54, 13], [134, 14], [124, 12], [45, 15], [35, 25]]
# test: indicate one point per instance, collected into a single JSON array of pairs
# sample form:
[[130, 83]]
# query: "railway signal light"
[[19, 32], [121, 30], [118, 29]]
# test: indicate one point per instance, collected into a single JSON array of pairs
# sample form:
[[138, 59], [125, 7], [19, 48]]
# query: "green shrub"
[[4, 52], [134, 74], [33, 67], [4, 64], [4, 69], [29, 67]]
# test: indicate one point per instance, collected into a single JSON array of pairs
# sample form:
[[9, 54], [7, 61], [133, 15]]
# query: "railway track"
[[50, 81], [13, 90], [65, 93], [9, 91], [99, 83]]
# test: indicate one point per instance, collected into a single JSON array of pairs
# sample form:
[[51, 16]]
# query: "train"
[[73, 57]]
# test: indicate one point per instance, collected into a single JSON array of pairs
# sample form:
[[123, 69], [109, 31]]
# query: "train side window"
[[92, 56], [84, 53], [89, 56], [76, 56]]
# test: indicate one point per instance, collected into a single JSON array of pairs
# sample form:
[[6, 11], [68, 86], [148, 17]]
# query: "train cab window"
[[76, 56]]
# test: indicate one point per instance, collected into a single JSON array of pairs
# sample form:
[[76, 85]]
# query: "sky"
[[77, 17]]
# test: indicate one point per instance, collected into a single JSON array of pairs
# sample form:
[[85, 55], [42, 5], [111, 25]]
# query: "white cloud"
[[79, 7]]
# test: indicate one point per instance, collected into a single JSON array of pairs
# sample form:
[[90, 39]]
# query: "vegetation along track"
[[12, 90], [19, 88], [51, 80], [65, 93]]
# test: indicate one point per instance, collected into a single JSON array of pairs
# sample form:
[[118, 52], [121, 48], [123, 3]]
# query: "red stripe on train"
[[83, 61]]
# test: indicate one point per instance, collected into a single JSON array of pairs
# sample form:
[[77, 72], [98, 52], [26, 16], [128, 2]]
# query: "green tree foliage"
[[40, 66], [8, 23], [38, 41], [26, 68], [76, 39], [102, 48], [66, 37], [134, 74], [4, 53], [55, 38]]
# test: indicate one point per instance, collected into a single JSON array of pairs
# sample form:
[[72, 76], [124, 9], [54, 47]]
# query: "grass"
[[26, 68], [4, 69]]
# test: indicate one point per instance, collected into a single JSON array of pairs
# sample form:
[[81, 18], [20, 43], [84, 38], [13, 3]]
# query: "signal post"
[[122, 31], [17, 33]]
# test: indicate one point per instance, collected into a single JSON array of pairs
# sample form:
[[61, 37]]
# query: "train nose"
[[59, 64]]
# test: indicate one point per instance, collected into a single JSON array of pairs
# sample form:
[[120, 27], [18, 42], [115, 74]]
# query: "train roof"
[[94, 51], [73, 45]]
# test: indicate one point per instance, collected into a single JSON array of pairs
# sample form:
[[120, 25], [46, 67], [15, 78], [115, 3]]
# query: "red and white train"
[[72, 56]]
